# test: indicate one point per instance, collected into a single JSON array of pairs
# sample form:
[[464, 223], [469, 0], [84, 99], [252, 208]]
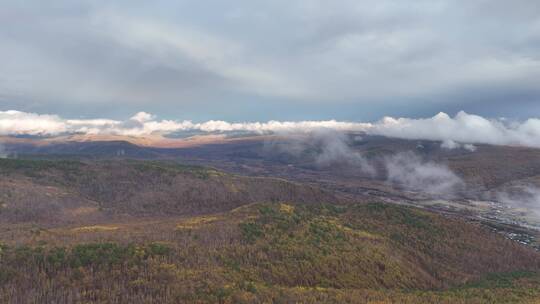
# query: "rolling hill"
[[49, 192]]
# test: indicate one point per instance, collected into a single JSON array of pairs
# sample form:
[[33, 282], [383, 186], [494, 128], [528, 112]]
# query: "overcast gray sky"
[[251, 60]]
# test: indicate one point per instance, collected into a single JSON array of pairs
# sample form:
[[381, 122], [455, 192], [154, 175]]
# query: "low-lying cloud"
[[335, 149], [409, 171], [406, 170], [326, 148], [449, 144], [525, 197], [461, 131]]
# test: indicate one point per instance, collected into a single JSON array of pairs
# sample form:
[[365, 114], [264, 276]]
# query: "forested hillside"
[[63, 191], [272, 252]]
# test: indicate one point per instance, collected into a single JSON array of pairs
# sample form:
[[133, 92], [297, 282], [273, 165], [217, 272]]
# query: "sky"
[[251, 60]]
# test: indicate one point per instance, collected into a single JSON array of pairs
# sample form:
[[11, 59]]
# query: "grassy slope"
[[274, 253]]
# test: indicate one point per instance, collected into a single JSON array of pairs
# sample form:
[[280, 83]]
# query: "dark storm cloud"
[[178, 57]]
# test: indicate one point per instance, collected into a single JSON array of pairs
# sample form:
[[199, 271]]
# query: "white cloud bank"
[[142, 123], [461, 131], [463, 128]]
